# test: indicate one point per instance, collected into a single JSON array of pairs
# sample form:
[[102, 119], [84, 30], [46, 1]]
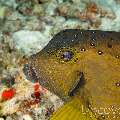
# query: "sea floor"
[[26, 26]]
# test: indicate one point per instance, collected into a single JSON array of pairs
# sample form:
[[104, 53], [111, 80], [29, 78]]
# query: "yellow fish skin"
[[84, 63]]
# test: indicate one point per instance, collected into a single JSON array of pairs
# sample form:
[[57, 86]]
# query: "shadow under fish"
[[83, 68]]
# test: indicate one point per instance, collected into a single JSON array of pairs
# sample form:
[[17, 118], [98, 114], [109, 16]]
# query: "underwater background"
[[26, 26]]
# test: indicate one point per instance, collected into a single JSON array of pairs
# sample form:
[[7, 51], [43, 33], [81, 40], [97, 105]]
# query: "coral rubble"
[[26, 26]]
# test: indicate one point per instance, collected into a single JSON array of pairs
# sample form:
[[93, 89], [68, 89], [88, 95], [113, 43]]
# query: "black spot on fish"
[[117, 84], [118, 56], [76, 60], [83, 49], [92, 44], [100, 52]]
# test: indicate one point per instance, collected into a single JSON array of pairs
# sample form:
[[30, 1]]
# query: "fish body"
[[83, 64]]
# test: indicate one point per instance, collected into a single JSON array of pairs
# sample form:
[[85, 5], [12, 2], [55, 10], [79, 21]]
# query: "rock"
[[3, 10], [30, 42], [50, 9], [26, 117], [38, 10], [1, 118]]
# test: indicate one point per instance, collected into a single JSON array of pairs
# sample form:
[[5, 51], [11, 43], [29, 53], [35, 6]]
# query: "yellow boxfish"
[[83, 68]]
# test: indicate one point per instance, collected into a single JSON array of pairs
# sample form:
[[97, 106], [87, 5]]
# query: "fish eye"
[[67, 55]]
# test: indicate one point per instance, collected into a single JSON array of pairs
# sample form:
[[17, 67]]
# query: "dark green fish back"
[[95, 38]]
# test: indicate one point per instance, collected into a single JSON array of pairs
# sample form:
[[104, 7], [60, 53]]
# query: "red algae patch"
[[8, 94]]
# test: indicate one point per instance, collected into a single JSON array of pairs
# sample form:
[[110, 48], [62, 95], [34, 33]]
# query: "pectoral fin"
[[73, 110]]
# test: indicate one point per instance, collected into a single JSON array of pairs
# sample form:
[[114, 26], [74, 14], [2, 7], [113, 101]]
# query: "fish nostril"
[[30, 73]]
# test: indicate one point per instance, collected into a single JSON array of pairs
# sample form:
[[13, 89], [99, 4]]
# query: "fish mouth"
[[30, 73], [78, 84]]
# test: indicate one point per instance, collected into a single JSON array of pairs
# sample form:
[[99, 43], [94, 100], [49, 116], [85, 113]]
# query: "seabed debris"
[[26, 26]]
